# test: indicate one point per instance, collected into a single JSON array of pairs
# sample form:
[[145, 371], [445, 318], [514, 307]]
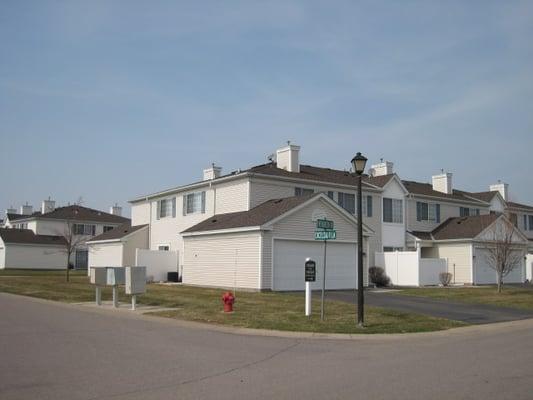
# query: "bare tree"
[[72, 241], [504, 253]]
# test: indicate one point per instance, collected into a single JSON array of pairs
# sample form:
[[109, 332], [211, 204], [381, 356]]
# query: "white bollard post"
[[307, 299], [115, 296], [133, 302], [98, 296]]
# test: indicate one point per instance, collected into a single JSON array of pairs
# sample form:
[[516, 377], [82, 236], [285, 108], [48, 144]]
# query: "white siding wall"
[[106, 254], [232, 196], [459, 259], [137, 240], [261, 191], [140, 213], [224, 260], [34, 257]]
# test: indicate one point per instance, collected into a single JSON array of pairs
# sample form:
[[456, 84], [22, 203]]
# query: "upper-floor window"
[[163, 247], [466, 212], [347, 201], [367, 206], [330, 194], [194, 203], [166, 208], [84, 229], [392, 210], [427, 212], [108, 228], [298, 191], [528, 218], [514, 219]]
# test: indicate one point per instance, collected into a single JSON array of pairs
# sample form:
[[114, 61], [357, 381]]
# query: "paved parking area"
[[469, 313]]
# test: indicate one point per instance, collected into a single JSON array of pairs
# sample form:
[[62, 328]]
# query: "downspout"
[[150, 227]]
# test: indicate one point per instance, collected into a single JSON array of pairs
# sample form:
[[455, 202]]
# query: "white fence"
[[529, 267], [406, 268], [157, 262]]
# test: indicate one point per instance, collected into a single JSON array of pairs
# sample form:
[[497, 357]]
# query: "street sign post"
[[324, 232]]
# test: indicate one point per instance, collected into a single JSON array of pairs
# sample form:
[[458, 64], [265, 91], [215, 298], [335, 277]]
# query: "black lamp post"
[[359, 163]]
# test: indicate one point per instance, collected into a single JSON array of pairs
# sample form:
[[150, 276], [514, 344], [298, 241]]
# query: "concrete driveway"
[[56, 351], [470, 313]]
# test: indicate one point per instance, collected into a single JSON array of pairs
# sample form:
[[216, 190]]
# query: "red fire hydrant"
[[228, 299]]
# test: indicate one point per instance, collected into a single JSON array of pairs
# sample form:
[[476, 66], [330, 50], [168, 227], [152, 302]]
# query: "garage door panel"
[[484, 274], [289, 259]]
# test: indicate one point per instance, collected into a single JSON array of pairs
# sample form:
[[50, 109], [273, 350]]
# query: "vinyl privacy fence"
[[407, 268]]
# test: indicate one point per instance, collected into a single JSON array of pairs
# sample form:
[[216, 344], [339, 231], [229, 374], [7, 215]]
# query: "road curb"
[[470, 330]]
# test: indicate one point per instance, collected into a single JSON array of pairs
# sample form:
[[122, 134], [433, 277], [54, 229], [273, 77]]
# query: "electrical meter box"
[[135, 280], [115, 276], [98, 276]]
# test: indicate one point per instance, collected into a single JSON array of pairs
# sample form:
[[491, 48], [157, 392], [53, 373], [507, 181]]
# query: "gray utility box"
[[99, 276], [135, 280], [115, 276]]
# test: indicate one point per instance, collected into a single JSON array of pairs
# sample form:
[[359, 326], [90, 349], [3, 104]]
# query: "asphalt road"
[[469, 313], [55, 351]]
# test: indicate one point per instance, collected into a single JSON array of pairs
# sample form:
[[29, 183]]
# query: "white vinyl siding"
[[224, 260], [34, 256], [231, 197], [459, 259]]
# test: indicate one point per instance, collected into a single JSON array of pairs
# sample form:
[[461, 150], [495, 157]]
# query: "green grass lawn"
[[252, 310], [511, 296]]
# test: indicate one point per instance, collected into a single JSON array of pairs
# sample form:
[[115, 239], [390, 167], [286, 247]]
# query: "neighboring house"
[[22, 248], [464, 243], [391, 207], [84, 222]]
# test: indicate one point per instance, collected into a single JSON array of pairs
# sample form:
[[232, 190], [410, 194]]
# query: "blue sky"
[[109, 100]]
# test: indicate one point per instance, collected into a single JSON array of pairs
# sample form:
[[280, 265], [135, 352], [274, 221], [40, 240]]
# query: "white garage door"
[[289, 259], [484, 274]]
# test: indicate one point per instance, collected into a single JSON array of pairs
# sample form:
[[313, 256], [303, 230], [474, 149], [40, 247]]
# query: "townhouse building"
[[262, 220], [36, 240]]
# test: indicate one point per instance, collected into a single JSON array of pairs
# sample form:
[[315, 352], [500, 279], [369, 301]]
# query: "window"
[[367, 206], [84, 229], [392, 210], [525, 222], [303, 192], [531, 222], [194, 203], [427, 212], [108, 228], [466, 212], [166, 208], [347, 201], [513, 218], [330, 194], [163, 247]]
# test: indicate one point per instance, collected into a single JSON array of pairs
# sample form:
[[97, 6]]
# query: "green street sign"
[[324, 224], [326, 235]]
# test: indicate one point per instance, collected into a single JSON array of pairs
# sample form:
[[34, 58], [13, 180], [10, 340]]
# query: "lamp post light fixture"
[[359, 163]]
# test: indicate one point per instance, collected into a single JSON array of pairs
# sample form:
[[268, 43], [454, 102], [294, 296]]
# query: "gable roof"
[[311, 173], [463, 227], [27, 236], [426, 189], [257, 216], [118, 233], [14, 217], [484, 196], [512, 204], [77, 213]]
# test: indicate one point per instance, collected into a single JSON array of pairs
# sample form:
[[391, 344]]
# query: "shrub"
[[445, 278], [378, 277]]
